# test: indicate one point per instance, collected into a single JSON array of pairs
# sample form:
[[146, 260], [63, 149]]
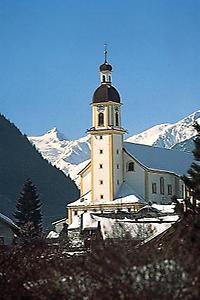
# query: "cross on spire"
[[105, 52]]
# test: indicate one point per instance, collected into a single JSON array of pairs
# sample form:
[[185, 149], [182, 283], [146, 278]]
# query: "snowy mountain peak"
[[55, 134], [168, 135], [150, 135]]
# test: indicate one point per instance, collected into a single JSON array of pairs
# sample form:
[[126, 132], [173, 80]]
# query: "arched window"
[[116, 119], [130, 167], [103, 78], [162, 191], [109, 78], [100, 119]]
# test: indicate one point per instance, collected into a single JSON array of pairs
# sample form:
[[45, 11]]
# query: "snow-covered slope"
[[69, 156], [168, 135], [72, 156]]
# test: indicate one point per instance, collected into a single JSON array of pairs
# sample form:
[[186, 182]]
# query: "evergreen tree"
[[192, 180], [28, 212]]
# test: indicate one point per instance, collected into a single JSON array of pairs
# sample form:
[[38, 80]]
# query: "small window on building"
[[101, 181], [103, 78], [169, 187], [100, 119], [117, 182], [75, 212], [101, 196], [130, 167], [85, 210], [101, 137], [129, 209], [116, 119], [101, 151], [109, 78], [100, 166], [117, 151], [117, 166], [154, 188], [162, 191]]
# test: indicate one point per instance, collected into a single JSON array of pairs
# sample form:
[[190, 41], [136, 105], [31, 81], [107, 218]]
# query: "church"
[[123, 175]]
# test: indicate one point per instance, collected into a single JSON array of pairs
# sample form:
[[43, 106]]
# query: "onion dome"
[[105, 67], [106, 93]]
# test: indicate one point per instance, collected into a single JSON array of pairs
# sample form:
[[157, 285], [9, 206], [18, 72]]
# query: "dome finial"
[[105, 52]]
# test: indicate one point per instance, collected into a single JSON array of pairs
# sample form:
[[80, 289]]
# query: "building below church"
[[123, 175]]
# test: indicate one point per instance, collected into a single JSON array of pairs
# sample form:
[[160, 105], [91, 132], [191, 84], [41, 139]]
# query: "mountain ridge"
[[69, 156]]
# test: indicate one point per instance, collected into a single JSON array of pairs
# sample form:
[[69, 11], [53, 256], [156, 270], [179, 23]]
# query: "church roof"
[[161, 159], [105, 93]]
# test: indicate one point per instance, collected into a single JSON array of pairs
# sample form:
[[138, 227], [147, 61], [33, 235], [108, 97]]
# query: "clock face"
[[100, 107]]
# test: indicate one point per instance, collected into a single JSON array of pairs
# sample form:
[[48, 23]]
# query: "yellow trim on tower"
[[81, 186], [106, 131], [95, 116], [69, 216], [111, 165], [108, 109], [92, 170]]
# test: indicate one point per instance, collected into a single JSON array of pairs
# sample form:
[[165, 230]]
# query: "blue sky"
[[51, 51]]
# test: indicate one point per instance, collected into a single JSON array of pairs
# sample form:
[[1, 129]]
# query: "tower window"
[[130, 167], [101, 196], [100, 119], [101, 137], [162, 186], [75, 212], [101, 151], [117, 151], [116, 119], [118, 182], [169, 187], [103, 78], [154, 188], [101, 181], [117, 166], [109, 78], [100, 166]]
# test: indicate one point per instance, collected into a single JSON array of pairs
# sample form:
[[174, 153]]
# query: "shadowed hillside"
[[20, 160]]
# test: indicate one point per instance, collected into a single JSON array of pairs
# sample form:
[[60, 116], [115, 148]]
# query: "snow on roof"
[[89, 221], [164, 208], [127, 194], [84, 200], [52, 235], [75, 224], [8, 221], [59, 221], [161, 159]]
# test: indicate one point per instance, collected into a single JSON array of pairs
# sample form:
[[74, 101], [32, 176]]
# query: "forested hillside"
[[20, 160]]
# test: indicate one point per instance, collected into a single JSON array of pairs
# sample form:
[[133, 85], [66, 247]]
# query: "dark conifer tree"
[[192, 180], [28, 212]]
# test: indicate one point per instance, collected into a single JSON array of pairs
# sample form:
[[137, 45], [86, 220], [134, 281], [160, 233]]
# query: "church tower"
[[106, 139]]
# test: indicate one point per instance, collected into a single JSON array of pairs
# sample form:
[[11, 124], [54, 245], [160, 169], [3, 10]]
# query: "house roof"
[[8, 221], [160, 159]]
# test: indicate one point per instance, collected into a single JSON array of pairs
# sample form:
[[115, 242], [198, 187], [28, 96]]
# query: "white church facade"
[[123, 175]]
